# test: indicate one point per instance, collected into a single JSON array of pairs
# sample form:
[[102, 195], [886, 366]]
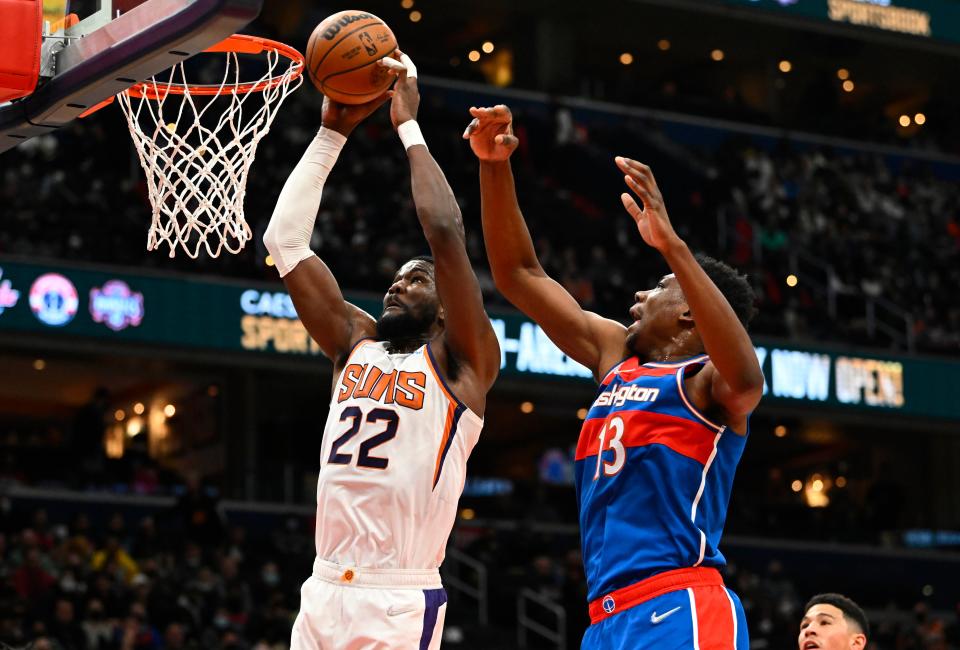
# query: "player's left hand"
[[652, 219], [405, 94]]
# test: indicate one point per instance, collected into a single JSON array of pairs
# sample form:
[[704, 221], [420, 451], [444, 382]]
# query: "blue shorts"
[[696, 618]]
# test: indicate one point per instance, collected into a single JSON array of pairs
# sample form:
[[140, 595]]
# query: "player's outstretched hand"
[[405, 94], [491, 133], [343, 118], [652, 219]]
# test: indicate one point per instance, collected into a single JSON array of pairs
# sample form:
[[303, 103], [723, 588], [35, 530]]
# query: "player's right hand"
[[491, 133], [343, 118]]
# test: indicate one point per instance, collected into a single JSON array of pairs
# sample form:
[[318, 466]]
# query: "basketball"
[[342, 54]]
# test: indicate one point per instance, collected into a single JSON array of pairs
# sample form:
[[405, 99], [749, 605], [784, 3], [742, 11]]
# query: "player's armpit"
[[330, 320], [710, 393]]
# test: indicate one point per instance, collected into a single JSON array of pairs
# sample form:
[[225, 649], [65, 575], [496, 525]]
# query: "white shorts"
[[350, 608]]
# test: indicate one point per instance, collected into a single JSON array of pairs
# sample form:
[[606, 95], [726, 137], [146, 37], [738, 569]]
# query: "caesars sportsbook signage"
[[928, 19], [102, 304]]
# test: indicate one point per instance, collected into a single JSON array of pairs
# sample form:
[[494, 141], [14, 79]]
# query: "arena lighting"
[[415, 16], [269, 260], [138, 408], [841, 481], [474, 55], [581, 414], [785, 66], [626, 58], [780, 431], [920, 118], [468, 514], [169, 410], [39, 364], [904, 120], [663, 45], [843, 74], [817, 485], [792, 280], [796, 486], [119, 415], [848, 86], [487, 47], [134, 427], [526, 407], [927, 590], [407, 4], [717, 55]]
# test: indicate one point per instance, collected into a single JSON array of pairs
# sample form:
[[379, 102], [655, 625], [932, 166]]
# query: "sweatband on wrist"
[[410, 134]]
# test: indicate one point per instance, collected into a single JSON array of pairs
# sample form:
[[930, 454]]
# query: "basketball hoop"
[[197, 164]]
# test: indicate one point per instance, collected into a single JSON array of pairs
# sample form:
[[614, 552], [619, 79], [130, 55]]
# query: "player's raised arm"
[[467, 329], [593, 341], [735, 379], [332, 322]]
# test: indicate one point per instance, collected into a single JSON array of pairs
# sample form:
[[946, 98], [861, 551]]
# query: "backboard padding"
[[147, 39]]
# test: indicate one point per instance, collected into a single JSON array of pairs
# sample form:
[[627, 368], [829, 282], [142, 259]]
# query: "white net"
[[197, 160]]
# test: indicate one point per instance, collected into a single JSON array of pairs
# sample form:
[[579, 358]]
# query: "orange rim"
[[240, 44]]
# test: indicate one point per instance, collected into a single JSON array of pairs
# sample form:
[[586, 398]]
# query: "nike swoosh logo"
[[657, 619], [396, 611]]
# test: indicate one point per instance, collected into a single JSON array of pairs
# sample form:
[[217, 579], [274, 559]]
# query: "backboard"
[[94, 49]]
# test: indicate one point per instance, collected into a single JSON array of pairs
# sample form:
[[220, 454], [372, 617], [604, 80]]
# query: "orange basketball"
[[342, 54]]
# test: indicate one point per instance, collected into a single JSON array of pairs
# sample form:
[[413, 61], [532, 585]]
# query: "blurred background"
[[160, 425]]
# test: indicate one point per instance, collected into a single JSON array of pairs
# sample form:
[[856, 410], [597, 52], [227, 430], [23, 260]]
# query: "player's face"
[[655, 313], [411, 304], [824, 627]]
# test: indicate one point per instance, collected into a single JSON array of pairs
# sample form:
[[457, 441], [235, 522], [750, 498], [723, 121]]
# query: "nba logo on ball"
[[53, 299], [609, 604], [116, 306]]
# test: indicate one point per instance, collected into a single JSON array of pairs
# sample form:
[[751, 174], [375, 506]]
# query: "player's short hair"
[[734, 286], [422, 258], [851, 611]]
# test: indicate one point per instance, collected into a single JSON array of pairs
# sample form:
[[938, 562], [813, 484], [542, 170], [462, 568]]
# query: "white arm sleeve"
[[288, 235]]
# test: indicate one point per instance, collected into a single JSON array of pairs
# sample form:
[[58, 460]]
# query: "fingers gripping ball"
[[342, 54]]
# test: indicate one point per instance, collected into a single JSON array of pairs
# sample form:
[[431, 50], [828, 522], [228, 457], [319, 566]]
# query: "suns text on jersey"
[[402, 388]]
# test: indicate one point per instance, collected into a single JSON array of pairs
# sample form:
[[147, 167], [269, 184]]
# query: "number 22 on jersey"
[[364, 458], [613, 429]]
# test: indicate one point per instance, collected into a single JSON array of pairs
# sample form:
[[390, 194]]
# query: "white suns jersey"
[[393, 461]]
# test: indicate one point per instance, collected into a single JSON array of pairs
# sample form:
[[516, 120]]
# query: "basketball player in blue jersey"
[[406, 408], [661, 441]]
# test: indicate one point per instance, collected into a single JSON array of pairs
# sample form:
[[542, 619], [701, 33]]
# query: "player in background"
[[833, 622], [406, 409], [660, 444]]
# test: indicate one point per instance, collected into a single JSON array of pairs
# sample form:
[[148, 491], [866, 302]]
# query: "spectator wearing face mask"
[[267, 583], [65, 628], [96, 627]]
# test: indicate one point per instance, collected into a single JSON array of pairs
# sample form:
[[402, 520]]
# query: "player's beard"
[[403, 324]]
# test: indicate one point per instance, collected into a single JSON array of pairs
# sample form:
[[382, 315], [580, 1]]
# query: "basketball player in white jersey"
[[406, 410]]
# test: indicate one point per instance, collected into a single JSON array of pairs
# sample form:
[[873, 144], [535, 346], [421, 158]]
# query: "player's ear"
[[684, 316], [858, 642]]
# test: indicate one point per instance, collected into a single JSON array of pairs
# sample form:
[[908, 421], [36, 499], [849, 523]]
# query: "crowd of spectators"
[[881, 228], [70, 585], [187, 577]]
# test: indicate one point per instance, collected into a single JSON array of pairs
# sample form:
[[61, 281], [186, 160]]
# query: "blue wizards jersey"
[[653, 477]]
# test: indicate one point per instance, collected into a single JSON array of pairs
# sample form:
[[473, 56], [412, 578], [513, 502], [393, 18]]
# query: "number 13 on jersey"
[[613, 429]]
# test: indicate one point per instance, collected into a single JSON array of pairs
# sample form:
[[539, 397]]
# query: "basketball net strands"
[[197, 154]]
